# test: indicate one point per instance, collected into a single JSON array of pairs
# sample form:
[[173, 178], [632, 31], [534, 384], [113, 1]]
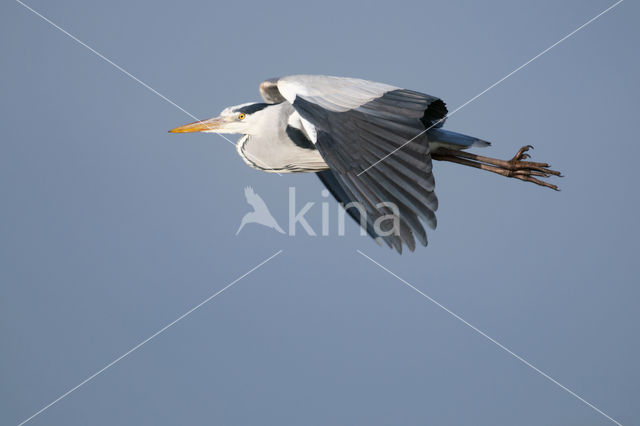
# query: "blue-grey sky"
[[111, 228]]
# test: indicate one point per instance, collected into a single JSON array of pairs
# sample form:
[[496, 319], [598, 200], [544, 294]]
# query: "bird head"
[[234, 119]]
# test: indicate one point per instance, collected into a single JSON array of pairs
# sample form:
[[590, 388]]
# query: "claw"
[[526, 170], [521, 153], [536, 181], [515, 168]]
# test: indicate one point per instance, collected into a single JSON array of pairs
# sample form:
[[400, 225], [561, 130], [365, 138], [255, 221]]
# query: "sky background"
[[111, 228]]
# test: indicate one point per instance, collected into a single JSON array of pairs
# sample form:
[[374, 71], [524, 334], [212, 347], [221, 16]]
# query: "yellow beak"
[[199, 126]]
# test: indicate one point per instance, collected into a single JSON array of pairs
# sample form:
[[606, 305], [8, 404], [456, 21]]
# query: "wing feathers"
[[336, 94], [358, 123]]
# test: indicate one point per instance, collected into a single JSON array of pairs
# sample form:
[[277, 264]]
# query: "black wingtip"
[[437, 110]]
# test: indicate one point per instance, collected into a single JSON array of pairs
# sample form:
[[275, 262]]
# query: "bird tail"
[[449, 139]]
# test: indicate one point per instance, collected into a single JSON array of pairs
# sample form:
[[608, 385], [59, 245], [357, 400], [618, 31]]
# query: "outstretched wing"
[[357, 123], [335, 188]]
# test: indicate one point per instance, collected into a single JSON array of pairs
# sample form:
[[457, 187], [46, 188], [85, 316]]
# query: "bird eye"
[[241, 116]]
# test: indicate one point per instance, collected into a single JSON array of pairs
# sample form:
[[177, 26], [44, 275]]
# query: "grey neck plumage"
[[282, 145]]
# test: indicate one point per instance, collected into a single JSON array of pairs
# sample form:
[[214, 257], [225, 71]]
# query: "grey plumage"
[[341, 129], [351, 141]]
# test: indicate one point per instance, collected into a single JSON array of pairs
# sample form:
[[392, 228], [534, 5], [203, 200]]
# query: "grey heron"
[[370, 143]]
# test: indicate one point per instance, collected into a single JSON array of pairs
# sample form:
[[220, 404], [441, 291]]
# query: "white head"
[[243, 118]]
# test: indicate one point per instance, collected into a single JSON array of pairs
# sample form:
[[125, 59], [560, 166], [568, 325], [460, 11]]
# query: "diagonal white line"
[[495, 84], [494, 341], [119, 68], [101, 56], [136, 347]]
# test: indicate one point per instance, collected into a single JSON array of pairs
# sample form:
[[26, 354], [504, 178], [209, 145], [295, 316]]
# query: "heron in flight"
[[371, 144]]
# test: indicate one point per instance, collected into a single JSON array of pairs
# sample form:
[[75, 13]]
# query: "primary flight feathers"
[[370, 143]]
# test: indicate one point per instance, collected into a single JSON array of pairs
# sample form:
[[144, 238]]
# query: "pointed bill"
[[210, 125]]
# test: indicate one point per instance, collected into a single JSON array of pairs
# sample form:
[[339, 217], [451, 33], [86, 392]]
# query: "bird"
[[371, 144], [260, 213]]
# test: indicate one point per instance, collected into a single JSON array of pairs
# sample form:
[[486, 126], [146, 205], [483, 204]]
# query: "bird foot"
[[526, 170], [517, 167]]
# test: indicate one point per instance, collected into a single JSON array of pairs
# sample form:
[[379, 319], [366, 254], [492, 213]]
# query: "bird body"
[[281, 148], [371, 144]]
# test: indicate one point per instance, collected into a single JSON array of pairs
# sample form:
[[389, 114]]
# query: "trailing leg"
[[517, 168]]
